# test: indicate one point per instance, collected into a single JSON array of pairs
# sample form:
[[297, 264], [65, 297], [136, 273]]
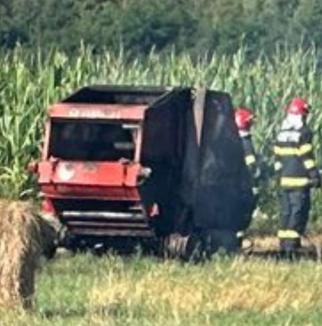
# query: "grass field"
[[88, 290]]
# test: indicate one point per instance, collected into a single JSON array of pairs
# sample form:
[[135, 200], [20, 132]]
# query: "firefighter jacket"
[[251, 159], [294, 159]]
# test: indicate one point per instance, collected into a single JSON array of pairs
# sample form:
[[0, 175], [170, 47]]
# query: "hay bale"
[[23, 234]]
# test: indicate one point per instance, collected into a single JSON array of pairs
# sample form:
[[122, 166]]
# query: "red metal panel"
[[46, 140], [85, 192], [98, 111], [89, 173], [105, 180], [45, 171], [131, 176]]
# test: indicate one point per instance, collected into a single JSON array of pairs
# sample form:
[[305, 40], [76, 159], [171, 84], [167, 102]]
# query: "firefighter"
[[244, 119], [297, 174]]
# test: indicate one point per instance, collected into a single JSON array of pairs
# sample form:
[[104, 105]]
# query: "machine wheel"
[[215, 240], [186, 247]]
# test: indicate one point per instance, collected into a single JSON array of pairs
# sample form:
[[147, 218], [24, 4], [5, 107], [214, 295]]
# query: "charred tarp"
[[164, 137], [199, 176], [222, 192]]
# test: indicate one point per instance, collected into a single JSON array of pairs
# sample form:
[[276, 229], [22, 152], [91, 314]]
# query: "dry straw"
[[23, 236]]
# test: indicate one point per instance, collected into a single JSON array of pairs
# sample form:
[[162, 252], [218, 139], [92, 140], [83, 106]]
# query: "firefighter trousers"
[[295, 208]]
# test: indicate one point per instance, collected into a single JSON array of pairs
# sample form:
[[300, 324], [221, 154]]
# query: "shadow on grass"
[[78, 312]]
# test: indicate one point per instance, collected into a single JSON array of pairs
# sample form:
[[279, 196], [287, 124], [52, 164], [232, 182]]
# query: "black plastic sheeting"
[[163, 150], [223, 195], [198, 187]]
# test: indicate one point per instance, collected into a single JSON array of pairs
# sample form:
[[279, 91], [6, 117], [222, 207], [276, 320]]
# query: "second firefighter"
[[244, 119], [297, 173]]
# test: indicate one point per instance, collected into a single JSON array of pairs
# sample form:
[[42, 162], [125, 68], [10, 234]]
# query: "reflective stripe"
[[309, 164], [284, 151], [277, 166], [298, 151], [288, 234], [240, 234], [306, 148], [294, 182], [255, 191], [250, 159]]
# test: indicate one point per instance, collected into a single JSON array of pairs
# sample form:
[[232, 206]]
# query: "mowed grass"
[[111, 290]]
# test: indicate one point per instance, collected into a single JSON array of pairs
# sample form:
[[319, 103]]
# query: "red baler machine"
[[118, 162]]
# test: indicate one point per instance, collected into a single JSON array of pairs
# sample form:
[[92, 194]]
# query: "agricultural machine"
[[144, 164]]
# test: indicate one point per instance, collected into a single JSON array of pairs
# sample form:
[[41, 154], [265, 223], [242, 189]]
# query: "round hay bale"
[[23, 235]]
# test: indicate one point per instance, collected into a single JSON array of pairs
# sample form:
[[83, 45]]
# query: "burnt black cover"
[[223, 196], [164, 138], [114, 94], [202, 186]]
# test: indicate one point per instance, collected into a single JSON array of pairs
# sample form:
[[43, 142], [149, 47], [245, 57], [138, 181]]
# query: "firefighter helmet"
[[244, 118], [298, 106]]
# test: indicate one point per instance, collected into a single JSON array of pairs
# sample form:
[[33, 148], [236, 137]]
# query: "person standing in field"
[[244, 119], [297, 173]]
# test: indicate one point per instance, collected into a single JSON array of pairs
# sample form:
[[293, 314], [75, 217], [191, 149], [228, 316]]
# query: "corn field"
[[30, 81]]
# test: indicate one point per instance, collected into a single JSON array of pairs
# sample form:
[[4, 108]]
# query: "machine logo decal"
[[89, 166], [94, 114], [65, 172]]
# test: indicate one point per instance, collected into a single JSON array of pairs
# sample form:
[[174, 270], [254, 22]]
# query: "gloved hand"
[[257, 174], [315, 179], [315, 182], [144, 174], [255, 191]]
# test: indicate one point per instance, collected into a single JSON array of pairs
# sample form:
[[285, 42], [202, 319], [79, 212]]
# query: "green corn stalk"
[[31, 80]]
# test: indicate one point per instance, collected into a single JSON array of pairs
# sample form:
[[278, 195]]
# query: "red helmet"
[[298, 106], [244, 118]]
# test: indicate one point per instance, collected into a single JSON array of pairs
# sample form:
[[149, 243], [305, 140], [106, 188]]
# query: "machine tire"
[[185, 247]]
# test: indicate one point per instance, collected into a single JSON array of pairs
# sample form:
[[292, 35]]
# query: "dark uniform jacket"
[[294, 158], [251, 160]]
